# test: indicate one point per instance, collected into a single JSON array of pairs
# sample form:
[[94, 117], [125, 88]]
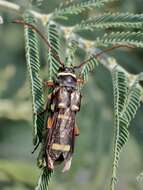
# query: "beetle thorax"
[[67, 79]]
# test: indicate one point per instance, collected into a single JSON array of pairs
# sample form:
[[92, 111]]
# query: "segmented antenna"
[[42, 36], [100, 53]]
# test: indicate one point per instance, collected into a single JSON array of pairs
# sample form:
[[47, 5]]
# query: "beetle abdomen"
[[61, 140]]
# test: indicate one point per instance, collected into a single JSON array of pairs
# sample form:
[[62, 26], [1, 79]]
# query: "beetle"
[[63, 104]]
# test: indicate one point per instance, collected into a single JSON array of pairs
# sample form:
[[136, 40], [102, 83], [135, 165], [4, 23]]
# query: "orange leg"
[[50, 122], [80, 81], [76, 131], [48, 84]]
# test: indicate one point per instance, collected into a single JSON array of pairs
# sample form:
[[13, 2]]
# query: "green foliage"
[[44, 180], [126, 102], [54, 41], [122, 38], [111, 20], [33, 67], [127, 96], [88, 67], [77, 8], [71, 49], [120, 84]]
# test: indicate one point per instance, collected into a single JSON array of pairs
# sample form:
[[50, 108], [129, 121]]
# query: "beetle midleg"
[[76, 131], [49, 122], [80, 81]]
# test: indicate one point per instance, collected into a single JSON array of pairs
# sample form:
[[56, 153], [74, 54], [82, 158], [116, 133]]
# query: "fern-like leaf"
[[112, 20], [72, 47], [33, 65], [44, 179], [66, 3], [126, 103], [120, 85], [77, 8], [88, 67], [54, 41], [121, 38], [120, 89]]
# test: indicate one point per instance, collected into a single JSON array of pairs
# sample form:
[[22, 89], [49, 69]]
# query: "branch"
[[16, 9], [4, 5]]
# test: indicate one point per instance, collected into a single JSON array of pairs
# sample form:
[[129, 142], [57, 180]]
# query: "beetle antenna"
[[56, 56], [100, 53]]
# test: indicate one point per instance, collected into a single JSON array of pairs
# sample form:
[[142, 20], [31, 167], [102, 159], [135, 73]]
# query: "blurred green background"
[[92, 162]]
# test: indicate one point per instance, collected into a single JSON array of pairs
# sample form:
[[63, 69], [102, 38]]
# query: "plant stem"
[[16, 9]]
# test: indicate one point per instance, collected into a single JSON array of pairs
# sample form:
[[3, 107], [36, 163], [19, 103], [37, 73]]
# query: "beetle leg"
[[80, 81], [76, 131], [48, 83], [50, 122]]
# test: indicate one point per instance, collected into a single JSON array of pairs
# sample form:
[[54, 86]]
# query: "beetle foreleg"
[[48, 83]]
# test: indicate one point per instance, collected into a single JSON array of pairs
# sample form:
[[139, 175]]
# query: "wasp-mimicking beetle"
[[63, 104]]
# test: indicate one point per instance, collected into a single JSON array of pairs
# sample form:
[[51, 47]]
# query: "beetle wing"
[[60, 138]]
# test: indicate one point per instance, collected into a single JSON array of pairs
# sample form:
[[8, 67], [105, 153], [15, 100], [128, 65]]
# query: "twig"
[[16, 9]]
